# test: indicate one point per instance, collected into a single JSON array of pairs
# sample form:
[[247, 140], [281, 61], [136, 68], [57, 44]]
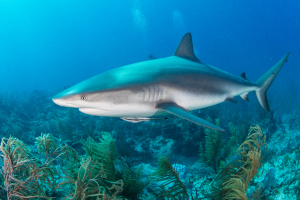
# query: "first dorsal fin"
[[185, 48]]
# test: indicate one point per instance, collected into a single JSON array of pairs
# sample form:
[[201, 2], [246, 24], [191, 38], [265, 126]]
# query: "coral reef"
[[113, 159]]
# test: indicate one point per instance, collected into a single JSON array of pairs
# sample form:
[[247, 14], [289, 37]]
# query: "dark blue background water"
[[48, 45]]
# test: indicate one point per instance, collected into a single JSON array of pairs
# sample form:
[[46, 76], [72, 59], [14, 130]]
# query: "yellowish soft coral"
[[232, 182]]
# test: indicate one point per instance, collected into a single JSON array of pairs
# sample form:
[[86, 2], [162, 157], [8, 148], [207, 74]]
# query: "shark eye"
[[83, 97]]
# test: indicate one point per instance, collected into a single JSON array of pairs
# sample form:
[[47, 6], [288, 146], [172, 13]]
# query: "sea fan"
[[232, 182], [46, 144], [103, 152], [87, 184], [134, 180], [171, 183], [213, 144], [20, 172]]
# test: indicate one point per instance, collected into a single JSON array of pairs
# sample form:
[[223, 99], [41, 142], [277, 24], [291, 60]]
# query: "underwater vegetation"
[[52, 152], [25, 175], [167, 174], [233, 180], [94, 175]]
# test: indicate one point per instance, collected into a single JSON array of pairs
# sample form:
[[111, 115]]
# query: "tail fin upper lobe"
[[266, 80]]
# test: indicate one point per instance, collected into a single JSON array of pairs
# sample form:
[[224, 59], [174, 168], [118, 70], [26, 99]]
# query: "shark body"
[[173, 85]]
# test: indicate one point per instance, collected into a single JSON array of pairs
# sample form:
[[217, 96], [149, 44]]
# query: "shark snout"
[[60, 102], [63, 102], [64, 99]]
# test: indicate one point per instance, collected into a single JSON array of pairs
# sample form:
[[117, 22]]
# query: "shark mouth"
[[93, 111]]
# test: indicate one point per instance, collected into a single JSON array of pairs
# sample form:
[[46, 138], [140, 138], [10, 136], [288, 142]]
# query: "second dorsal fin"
[[185, 48], [243, 75]]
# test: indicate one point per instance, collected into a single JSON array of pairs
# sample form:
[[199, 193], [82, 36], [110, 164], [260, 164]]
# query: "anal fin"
[[244, 96], [179, 111], [231, 99]]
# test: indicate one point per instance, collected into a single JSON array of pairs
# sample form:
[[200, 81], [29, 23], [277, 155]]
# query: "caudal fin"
[[266, 80]]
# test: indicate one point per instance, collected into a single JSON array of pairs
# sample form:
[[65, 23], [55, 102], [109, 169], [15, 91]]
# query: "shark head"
[[80, 95]]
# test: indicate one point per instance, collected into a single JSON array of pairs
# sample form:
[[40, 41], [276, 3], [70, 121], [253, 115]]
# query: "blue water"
[[48, 45]]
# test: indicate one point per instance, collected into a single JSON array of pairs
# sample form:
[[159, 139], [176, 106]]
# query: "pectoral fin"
[[231, 99], [179, 111]]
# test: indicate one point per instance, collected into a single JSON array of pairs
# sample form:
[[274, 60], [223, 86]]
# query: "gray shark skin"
[[173, 85]]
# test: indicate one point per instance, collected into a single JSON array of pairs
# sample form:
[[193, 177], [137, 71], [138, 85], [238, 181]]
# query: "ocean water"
[[48, 46]]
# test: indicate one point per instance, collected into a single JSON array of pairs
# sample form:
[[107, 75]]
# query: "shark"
[[175, 85]]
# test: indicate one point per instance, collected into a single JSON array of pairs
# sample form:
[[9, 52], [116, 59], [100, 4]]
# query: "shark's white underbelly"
[[123, 110]]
